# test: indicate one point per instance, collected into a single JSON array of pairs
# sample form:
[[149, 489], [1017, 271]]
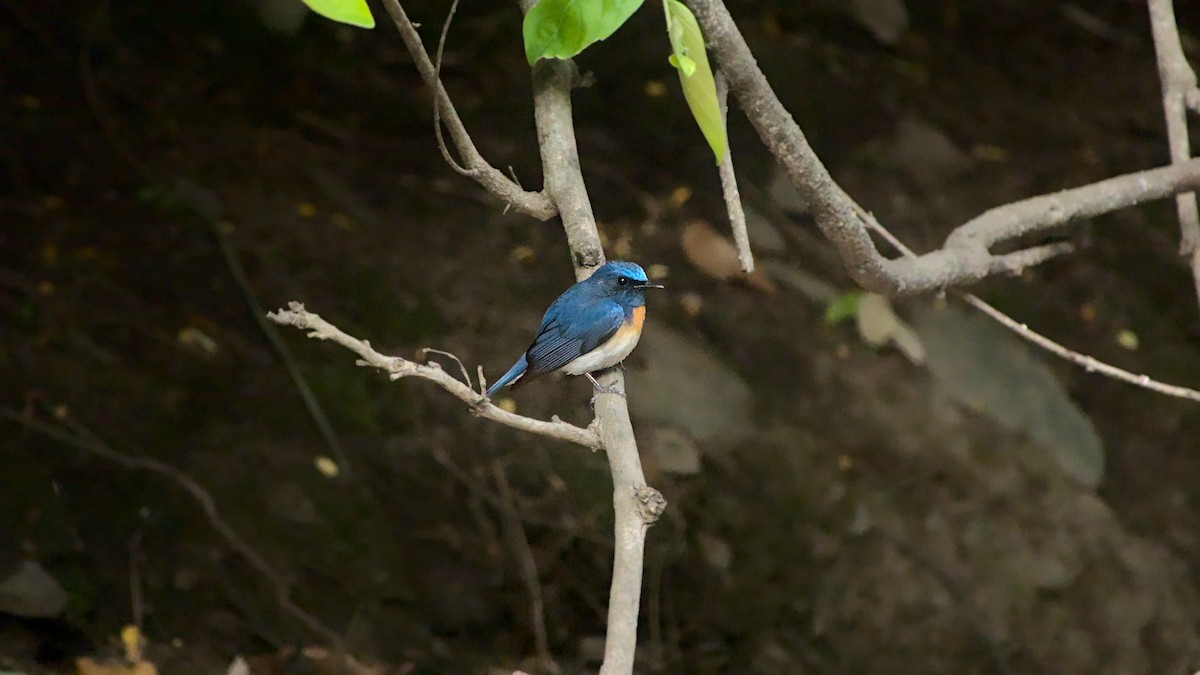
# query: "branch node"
[[651, 504], [535, 204], [478, 407]]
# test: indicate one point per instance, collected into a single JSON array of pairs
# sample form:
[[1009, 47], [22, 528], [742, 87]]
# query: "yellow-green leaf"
[[353, 12], [686, 64], [691, 60]]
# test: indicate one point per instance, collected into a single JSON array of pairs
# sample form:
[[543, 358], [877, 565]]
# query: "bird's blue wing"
[[570, 330]]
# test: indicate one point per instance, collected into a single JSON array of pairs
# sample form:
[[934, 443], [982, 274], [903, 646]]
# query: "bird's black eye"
[[623, 281]]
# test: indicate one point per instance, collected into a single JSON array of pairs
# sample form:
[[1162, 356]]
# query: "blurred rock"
[[983, 367], [887, 20], [683, 385], [32, 593]]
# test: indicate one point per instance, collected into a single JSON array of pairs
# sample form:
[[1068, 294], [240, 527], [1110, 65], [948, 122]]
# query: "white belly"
[[606, 355]]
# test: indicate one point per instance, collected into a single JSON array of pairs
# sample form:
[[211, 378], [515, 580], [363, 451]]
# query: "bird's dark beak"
[[650, 284]]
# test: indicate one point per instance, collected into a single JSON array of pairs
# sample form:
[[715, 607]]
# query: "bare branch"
[[535, 204], [729, 186], [1178, 91], [1047, 211], [636, 506], [553, 81], [461, 368], [966, 257], [397, 368], [437, 100], [1088, 363]]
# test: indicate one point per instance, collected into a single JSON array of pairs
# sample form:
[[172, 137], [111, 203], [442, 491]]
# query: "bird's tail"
[[510, 377]]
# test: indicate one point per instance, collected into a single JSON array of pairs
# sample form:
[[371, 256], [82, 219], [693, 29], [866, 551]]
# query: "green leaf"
[[353, 12], [560, 29], [691, 60], [844, 306]]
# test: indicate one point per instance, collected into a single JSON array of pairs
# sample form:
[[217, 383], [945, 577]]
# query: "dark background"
[[851, 513]]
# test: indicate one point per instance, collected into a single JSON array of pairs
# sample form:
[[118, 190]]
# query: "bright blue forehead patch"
[[619, 268]]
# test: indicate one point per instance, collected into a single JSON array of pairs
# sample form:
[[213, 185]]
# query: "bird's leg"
[[601, 389]]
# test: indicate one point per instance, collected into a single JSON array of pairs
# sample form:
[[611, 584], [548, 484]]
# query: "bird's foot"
[[605, 390], [601, 389]]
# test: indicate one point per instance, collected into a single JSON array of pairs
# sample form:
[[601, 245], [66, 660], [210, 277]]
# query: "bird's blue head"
[[624, 282]]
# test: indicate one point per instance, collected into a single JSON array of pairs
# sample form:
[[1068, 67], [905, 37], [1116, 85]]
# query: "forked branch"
[[535, 204], [1179, 92], [967, 255]]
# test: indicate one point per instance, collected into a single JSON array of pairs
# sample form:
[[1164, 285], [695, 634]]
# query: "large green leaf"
[[353, 12], [560, 29], [699, 88]]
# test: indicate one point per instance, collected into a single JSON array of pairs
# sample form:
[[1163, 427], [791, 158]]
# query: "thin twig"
[[1178, 85], [729, 186], [535, 204], [397, 368], [461, 367], [1088, 363], [966, 257], [519, 541], [437, 100], [73, 433]]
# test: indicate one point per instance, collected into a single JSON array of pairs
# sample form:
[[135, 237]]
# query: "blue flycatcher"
[[593, 325]]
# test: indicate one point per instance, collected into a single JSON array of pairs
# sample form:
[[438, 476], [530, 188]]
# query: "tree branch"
[[636, 505], [966, 257], [1178, 91], [397, 368], [1089, 363], [729, 186], [553, 81], [1047, 211], [535, 204]]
